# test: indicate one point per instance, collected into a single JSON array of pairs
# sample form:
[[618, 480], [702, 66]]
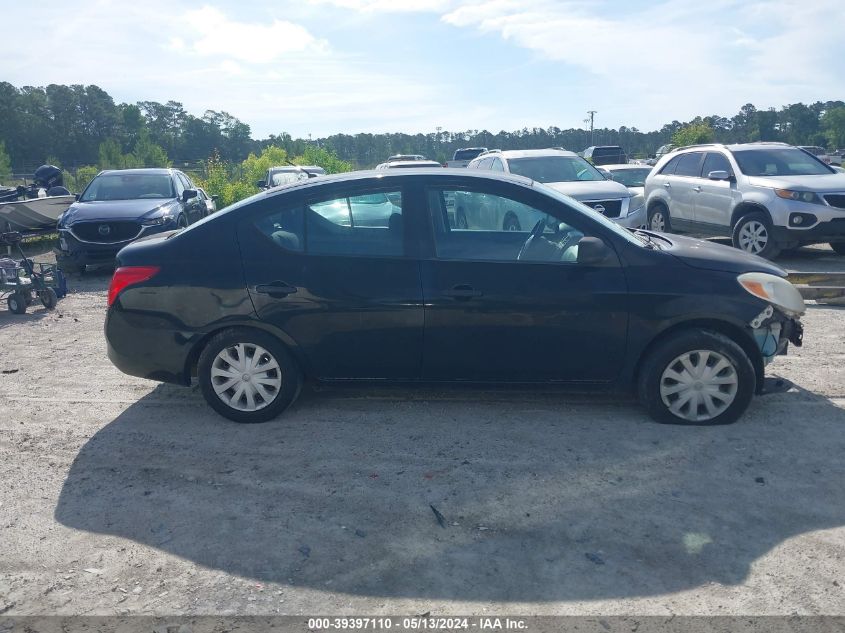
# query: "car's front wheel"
[[248, 376], [658, 219], [696, 377], [753, 234]]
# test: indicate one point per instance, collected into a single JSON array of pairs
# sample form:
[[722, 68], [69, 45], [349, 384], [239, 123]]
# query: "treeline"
[[80, 127]]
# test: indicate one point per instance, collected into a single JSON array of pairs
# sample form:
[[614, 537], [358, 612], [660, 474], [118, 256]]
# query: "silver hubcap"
[[699, 385], [246, 377], [753, 237], [657, 221]]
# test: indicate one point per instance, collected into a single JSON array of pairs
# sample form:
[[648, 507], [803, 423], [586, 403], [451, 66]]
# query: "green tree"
[[5, 164], [324, 158], [693, 134], [148, 154], [255, 167], [833, 124]]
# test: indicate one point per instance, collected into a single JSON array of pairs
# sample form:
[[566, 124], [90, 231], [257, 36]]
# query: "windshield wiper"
[[650, 243]]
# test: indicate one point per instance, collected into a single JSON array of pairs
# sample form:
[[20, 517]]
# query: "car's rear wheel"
[[511, 223], [838, 247], [753, 234], [248, 376], [658, 219], [696, 377]]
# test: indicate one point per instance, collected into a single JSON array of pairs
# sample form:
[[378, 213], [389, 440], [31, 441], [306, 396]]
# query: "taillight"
[[128, 275]]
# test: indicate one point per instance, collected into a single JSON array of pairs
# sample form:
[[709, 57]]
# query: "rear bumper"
[[148, 346]]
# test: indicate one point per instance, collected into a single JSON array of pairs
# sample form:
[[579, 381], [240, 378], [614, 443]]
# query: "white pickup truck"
[[464, 155]]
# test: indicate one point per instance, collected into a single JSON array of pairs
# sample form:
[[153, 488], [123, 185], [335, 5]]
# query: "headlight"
[[635, 203], [157, 220], [799, 196], [777, 291]]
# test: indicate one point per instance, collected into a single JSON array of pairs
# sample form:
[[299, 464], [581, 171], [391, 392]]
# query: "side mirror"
[[76, 196], [592, 251], [310, 175], [215, 198], [261, 184], [719, 174], [188, 194]]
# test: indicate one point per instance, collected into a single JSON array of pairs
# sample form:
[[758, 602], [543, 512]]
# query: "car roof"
[[416, 163], [283, 168], [527, 153], [621, 166], [389, 174], [143, 170]]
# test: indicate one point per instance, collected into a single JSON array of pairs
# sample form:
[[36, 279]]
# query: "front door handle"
[[668, 185], [275, 289], [462, 292], [697, 189]]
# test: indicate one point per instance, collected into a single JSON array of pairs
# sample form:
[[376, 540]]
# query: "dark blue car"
[[119, 206]]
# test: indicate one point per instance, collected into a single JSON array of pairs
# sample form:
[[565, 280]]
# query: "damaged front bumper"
[[774, 330]]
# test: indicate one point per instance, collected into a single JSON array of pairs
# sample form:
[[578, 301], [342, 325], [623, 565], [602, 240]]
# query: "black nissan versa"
[[119, 206], [323, 279]]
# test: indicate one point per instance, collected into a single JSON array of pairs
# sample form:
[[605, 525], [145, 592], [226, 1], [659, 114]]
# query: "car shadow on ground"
[[540, 496]]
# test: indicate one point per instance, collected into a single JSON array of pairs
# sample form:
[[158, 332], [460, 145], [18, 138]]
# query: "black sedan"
[[295, 283], [119, 206]]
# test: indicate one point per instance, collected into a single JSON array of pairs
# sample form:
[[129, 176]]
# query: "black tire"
[[756, 223], [288, 371], [656, 212], [49, 298], [665, 357], [461, 220], [511, 223], [838, 247], [16, 303]]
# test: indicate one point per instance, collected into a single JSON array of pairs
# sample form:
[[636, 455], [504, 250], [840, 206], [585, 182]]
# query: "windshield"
[[128, 187], [631, 177], [788, 161], [466, 154], [287, 177], [554, 169], [597, 217]]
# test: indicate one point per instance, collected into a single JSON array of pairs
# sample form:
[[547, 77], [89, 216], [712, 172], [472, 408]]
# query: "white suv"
[[766, 196], [561, 170]]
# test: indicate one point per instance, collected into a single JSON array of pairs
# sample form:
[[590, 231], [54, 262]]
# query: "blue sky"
[[327, 66]]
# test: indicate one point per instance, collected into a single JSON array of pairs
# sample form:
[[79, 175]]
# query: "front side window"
[[364, 224], [287, 177], [128, 187], [714, 161], [669, 168], [499, 229], [787, 161], [554, 169]]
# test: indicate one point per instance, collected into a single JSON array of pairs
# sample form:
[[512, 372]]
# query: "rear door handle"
[[668, 185], [463, 292], [276, 289]]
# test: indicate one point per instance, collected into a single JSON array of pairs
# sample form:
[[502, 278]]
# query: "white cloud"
[[391, 6], [219, 35]]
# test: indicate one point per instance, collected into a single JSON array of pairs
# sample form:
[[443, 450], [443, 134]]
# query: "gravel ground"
[[121, 496]]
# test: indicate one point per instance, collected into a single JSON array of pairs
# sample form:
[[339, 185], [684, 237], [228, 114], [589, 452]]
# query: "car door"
[[493, 316], [714, 198], [680, 186], [194, 207], [334, 274]]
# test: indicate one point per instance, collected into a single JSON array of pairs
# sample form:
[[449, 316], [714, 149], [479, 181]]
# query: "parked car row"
[[767, 197]]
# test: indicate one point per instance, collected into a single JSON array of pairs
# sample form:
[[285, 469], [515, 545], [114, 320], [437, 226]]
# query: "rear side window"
[[689, 164], [669, 168], [285, 228], [366, 224]]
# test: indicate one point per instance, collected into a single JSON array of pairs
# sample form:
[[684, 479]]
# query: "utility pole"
[[592, 114]]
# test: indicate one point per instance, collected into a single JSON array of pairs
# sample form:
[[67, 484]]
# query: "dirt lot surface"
[[120, 496]]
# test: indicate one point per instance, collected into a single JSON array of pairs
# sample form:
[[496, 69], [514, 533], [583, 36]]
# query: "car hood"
[[711, 256], [591, 189], [115, 209], [823, 183]]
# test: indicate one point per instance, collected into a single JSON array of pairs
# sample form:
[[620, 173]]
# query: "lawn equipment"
[[22, 281]]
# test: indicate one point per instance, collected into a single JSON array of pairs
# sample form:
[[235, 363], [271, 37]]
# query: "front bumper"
[[830, 231], [634, 220], [81, 253]]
